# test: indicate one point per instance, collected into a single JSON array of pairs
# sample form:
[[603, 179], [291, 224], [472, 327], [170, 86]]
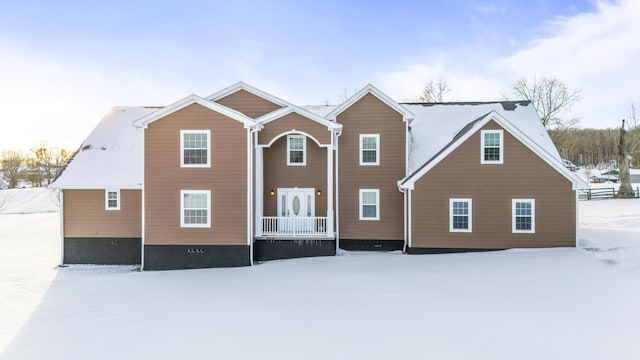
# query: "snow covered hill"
[[28, 201], [562, 303]]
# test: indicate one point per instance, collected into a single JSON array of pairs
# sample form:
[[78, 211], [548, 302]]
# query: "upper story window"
[[460, 215], [369, 149], [296, 150], [523, 216], [112, 199], [195, 208], [492, 147], [369, 204], [195, 148]]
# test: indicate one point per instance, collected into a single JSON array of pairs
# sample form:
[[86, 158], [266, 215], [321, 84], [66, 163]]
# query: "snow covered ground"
[[518, 304]]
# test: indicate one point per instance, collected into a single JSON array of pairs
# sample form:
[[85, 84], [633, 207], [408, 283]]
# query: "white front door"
[[296, 202]]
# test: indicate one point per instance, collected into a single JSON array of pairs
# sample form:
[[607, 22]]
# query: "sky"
[[64, 64]]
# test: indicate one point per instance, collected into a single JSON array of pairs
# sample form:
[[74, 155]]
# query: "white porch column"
[[259, 183], [330, 190]]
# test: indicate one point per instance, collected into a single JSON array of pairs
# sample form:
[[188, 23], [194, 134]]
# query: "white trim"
[[329, 190], [410, 217], [377, 192], [250, 194], [292, 132], [469, 215], [304, 149], [144, 121], [182, 194], [337, 189], [277, 114], [370, 89], [106, 199], [533, 216], [482, 147], [209, 146], [360, 152], [143, 205], [61, 204], [248, 88]]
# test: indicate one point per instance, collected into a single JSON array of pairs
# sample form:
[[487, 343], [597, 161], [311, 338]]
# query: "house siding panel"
[[226, 178], [85, 215], [278, 175], [492, 187], [369, 115], [247, 103], [294, 122]]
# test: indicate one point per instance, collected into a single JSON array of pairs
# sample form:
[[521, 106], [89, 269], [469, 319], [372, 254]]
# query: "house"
[[241, 176]]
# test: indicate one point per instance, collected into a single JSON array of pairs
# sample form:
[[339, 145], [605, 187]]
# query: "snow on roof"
[[435, 126], [112, 155], [321, 110]]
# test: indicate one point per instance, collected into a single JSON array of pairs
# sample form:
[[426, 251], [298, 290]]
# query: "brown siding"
[[491, 188], [226, 178], [85, 215], [371, 116], [294, 122], [278, 175], [247, 103]]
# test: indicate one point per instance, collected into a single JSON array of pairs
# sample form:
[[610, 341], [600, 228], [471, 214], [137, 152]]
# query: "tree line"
[[38, 167]]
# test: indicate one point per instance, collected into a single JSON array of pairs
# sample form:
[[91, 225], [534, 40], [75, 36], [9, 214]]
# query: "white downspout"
[[404, 222], [250, 192], [61, 204], [409, 219], [337, 192], [142, 195]]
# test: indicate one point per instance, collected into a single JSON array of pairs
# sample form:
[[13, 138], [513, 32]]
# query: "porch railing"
[[294, 226]]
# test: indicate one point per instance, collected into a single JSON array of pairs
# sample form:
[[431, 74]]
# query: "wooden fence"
[[602, 193]]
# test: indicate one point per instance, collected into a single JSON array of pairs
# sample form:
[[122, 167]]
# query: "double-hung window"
[[523, 215], [492, 147], [195, 208], [195, 148], [460, 215], [369, 204], [112, 199], [296, 150], [369, 149]]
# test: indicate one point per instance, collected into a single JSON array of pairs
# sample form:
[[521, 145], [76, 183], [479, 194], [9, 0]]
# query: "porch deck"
[[293, 227]]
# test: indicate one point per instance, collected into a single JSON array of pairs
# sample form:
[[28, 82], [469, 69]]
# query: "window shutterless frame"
[[491, 147], [460, 215], [296, 150], [195, 208], [369, 204], [523, 216], [369, 149], [195, 148], [112, 199]]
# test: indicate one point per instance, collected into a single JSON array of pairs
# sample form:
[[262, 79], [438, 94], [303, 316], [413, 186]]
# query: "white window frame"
[[106, 199], [304, 150], [533, 216], [182, 223], [470, 215], [361, 197], [182, 134], [361, 153], [482, 147]]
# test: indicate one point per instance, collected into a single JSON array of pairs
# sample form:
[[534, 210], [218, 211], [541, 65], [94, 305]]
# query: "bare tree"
[[434, 91], [11, 164], [46, 162], [551, 99], [627, 146]]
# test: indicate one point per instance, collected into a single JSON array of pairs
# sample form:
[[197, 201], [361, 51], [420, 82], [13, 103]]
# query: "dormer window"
[[492, 147]]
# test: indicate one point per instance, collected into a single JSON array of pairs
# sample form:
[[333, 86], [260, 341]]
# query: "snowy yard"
[[563, 303]]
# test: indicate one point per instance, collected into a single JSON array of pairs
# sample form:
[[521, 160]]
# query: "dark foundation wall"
[[173, 257], [102, 251], [288, 249]]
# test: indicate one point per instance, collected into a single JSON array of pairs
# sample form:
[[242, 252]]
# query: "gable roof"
[[430, 144], [274, 115], [250, 89], [111, 156], [194, 99], [370, 89]]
